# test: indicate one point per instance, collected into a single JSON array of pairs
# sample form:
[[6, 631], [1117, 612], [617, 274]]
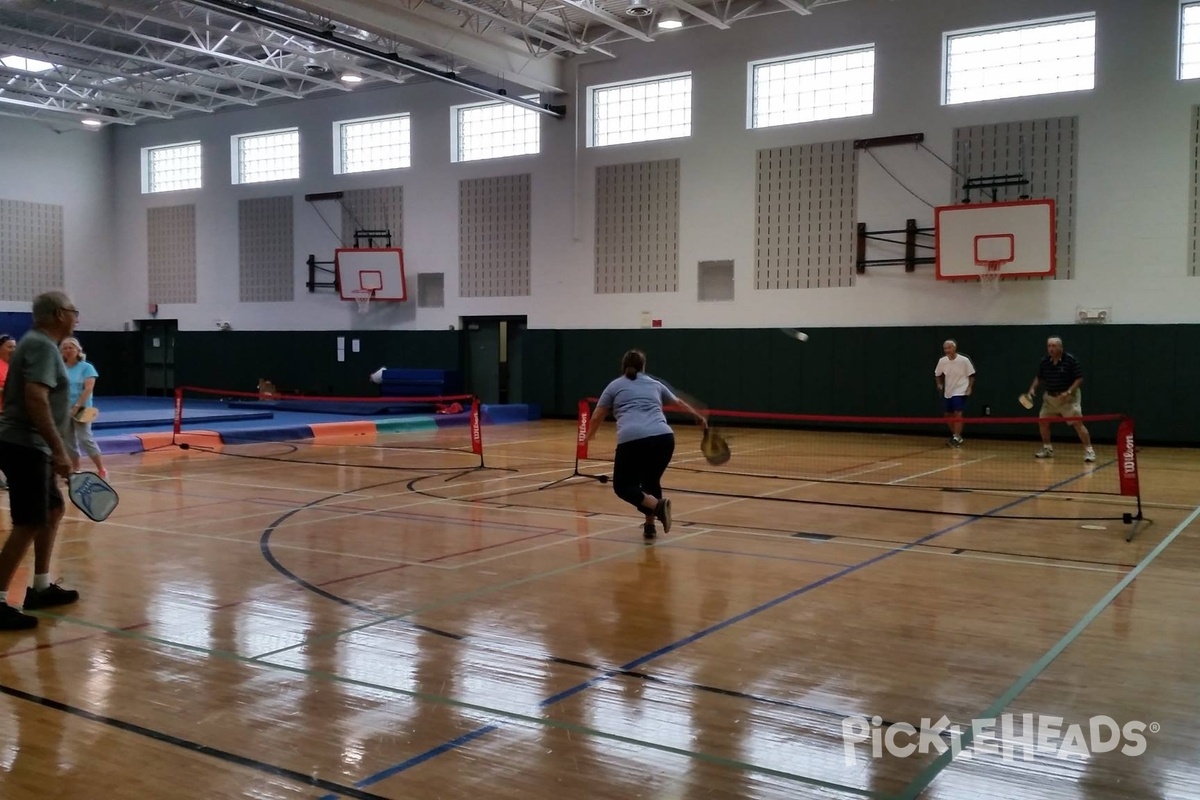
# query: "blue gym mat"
[[146, 412]]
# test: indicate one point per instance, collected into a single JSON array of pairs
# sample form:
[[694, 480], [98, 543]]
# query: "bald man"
[[1061, 375]]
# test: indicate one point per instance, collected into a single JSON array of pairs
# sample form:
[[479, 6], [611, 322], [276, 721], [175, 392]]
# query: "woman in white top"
[[645, 442]]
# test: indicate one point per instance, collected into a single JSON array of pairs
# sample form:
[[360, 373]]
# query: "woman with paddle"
[[78, 431], [645, 442]]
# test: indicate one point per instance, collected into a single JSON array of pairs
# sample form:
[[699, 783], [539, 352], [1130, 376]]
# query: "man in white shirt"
[[955, 376]]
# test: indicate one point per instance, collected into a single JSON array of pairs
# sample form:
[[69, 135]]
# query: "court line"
[[187, 744], [702, 633], [926, 776], [939, 469]]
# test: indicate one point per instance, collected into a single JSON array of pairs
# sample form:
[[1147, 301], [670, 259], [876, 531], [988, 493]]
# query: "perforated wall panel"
[[31, 249], [267, 269], [805, 216], [493, 236], [1045, 151], [637, 227], [171, 254], [379, 209]]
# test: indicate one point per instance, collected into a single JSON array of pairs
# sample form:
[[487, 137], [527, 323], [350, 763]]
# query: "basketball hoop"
[[989, 279], [362, 297]]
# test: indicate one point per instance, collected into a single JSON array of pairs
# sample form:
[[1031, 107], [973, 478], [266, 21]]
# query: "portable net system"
[[406, 433], [897, 463]]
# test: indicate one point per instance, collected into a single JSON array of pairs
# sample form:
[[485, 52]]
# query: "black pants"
[[639, 467]]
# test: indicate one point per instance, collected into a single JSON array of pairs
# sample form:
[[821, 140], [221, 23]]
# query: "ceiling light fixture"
[[670, 20], [351, 77], [92, 123]]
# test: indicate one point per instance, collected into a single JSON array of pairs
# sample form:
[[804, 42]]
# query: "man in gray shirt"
[[32, 455]]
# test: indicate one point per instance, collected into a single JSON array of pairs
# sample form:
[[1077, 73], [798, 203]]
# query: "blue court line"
[[453, 744], [927, 775]]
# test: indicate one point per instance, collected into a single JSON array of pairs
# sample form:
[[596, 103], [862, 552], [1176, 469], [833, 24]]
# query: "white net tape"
[[363, 298]]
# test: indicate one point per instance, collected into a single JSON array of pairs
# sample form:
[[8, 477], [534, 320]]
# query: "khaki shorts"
[[1070, 405]]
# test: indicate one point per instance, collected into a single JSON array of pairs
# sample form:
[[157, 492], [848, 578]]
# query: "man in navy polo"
[[1060, 374]]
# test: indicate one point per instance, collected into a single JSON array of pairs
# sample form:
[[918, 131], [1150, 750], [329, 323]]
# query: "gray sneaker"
[[1045, 452]]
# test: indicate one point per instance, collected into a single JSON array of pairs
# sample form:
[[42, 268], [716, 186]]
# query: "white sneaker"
[[1089, 455], [1045, 452]]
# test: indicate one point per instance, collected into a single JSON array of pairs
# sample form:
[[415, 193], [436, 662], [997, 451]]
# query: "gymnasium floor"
[[355, 618]]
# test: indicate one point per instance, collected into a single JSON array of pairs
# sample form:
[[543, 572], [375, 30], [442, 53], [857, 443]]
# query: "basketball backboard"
[[380, 270], [1017, 238]]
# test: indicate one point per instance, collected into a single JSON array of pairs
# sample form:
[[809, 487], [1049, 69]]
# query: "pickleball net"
[[898, 463]]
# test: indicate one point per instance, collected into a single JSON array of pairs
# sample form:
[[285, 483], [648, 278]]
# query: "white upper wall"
[[1131, 214], [71, 169]]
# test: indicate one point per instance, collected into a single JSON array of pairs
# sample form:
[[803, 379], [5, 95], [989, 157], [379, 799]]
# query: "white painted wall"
[[71, 169], [1132, 216]]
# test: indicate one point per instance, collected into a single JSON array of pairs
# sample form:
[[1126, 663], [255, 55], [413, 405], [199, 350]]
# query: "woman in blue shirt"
[[645, 442], [82, 377]]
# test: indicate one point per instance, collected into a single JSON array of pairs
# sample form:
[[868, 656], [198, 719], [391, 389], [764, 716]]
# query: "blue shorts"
[[956, 403]]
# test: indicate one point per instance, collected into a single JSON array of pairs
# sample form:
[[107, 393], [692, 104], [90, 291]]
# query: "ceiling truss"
[[129, 61]]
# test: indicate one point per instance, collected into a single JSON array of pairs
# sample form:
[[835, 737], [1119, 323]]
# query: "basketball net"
[[989, 279], [362, 297]]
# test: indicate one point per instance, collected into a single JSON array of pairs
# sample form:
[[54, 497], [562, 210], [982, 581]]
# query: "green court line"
[[927, 775], [460, 705]]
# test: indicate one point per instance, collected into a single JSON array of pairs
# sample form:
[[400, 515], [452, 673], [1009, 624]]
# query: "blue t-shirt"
[[637, 406], [77, 375]]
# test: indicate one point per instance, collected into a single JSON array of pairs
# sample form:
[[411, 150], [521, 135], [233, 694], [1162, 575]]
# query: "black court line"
[[188, 744]]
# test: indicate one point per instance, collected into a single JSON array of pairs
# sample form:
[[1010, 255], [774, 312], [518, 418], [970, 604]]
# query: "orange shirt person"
[[7, 345]]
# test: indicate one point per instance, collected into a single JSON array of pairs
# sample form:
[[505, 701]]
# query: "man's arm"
[[971, 383], [37, 405]]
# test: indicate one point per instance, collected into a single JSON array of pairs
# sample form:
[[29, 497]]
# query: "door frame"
[[465, 346]]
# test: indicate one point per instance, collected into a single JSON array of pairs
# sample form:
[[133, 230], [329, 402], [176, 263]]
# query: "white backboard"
[[1019, 234], [381, 269]]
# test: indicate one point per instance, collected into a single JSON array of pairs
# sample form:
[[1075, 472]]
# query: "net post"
[[584, 415], [1129, 475], [177, 421], [476, 430], [583, 418]]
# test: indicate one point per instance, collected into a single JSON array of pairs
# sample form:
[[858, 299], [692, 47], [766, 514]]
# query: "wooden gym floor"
[[287, 628]]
